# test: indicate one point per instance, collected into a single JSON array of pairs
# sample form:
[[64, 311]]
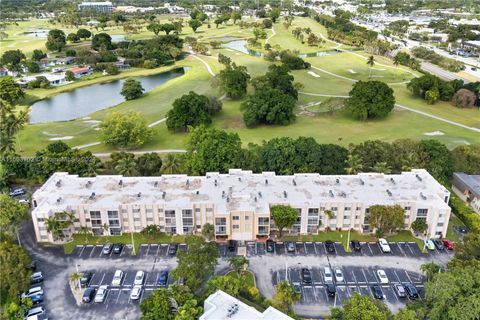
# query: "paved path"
[[441, 73], [209, 69], [107, 154], [271, 36]]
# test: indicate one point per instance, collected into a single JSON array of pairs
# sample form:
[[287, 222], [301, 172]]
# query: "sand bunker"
[[352, 71], [434, 133], [313, 74], [61, 138]]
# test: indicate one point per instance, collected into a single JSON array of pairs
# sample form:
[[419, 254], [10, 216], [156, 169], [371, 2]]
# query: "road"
[[441, 73]]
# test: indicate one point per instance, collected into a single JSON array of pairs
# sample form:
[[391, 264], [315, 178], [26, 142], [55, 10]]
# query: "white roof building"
[[222, 306]]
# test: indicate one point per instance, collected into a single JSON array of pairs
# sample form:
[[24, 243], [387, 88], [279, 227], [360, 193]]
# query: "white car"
[[32, 292], [136, 292], [338, 275], [139, 278], [117, 278], [328, 275], [382, 276], [384, 245], [101, 294], [36, 311]]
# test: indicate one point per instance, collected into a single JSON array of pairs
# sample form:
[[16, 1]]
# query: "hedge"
[[469, 217]]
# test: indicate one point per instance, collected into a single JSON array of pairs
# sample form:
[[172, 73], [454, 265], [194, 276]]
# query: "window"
[[221, 221], [313, 212], [170, 213], [313, 221], [136, 219], [407, 208], [422, 212], [347, 208], [346, 217], [42, 228], [263, 221], [357, 217], [112, 214], [95, 215], [334, 208], [359, 208], [236, 227], [136, 210], [367, 210], [322, 208], [40, 219], [209, 209], [440, 224], [197, 210], [149, 210], [247, 218], [438, 233], [187, 213], [236, 218], [149, 219]]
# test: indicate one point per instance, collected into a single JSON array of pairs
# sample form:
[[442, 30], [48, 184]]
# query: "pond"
[[83, 101], [38, 33], [241, 45]]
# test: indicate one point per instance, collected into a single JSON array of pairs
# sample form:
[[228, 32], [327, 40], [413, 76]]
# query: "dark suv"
[[232, 245], [172, 249], [306, 276], [85, 279], [355, 245], [270, 245], [330, 246], [117, 248], [411, 290], [377, 292], [88, 295], [331, 289]]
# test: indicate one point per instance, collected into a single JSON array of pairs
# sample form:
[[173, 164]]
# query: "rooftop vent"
[[337, 181], [392, 180], [215, 182], [155, 184], [164, 194], [343, 194], [284, 193], [255, 199], [424, 197], [239, 178], [139, 194], [223, 194], [232, 310], [266, 181], [230, 189], [330, 192], [92, 196], [198, 192], [59, 183], [89, 183], [188, 182], [228, 199], [389, 192], [362, 182], [294, 182], [260, 194], [59, 199], [418, 177]]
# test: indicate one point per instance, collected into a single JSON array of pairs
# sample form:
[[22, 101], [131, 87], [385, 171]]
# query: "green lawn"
[[125, 238], [454, 221], [405, 236], [247, 278]]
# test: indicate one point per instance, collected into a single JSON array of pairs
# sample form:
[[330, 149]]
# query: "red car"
[[448, 244]]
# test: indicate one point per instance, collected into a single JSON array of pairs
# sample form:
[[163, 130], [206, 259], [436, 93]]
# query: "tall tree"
[[227, 284], [132, 89], [194, 24], [238, 263], [157, 306], [11, 120], [149, 164], [125, 130], [58, 223], [370, 100], [56, 40], [173, 163], [233, 80], [191, 109], [386, 219], [285, 296], [12, 59], [361, 307], [371, 63], [127, 167], [15, 272], [12, 214], [284, 216], [102, 41], [419, 226]]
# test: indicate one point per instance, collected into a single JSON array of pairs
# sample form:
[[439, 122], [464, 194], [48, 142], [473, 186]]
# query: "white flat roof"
[[239, 190], [217, 306]]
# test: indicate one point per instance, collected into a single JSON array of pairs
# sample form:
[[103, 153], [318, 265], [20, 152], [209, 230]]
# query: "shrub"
[[469, 217], [464, 98]]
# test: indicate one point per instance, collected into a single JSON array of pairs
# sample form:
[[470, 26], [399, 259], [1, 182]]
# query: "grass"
[[247, 278], [454, 221], [405, 236], [125, 238]]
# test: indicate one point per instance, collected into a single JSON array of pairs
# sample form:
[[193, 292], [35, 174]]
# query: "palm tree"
[[59, 222], [396, 60], [354, 164], [238, 263], [127, 166], [172, 164], [85, 231], [105, 227], [382, 167], [75, 279], [430, 269], [370, 62]]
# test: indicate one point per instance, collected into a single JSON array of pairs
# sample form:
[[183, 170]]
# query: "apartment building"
[[467, 187], [103, 6], [236, 203]]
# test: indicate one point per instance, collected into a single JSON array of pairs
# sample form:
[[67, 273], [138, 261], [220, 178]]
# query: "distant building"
[[467, 187], [105, 6], [79, 72], [3, 72], [222, 306], [237, 203], [54, 79]]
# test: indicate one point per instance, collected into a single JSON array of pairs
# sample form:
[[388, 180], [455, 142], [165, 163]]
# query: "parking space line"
[[396, 275], [158, 248], [371, 252], [409, 279], [101, 251], [101, 281], [81, 251]]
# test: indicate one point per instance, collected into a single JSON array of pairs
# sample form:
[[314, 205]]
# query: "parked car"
[[338, 275], [306, 276], [136, 292], [331, 289], [36, 277], [448, 244], [328, 276], [172, 249], [429, 244], [297, 288], [330, 246], [88, 295], [411, 290], [232, 245], [356, 245], [36, 298], [139, 278], [17, 192], [439, 244], [377, 292], [107, 249], [162, 278], [270, 245], [384, 246], [117, 248], [36, 311], [101, 294], [290, 246], [117, 278], [463, 229], [85, 279], [399, 290], [32, 292], [382, 276]]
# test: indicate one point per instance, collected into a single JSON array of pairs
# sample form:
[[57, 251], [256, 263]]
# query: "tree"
[[85, 231], [167, 28], [464, 98], [10, 91], [208, 231], [149, 164], [274, 14], [157, 306], [405, 314], [15, 272], [102, 41], [466, 159], [211, 150], [32, 66], [432, 95], [155, 27], [277, 77], [386, 218], [127, 130], [12, 59], [438, 160], [73, 37], [195, 24], [269, 106], [285, 296], [189, 310], [3, 35], [12, 213], [56, 40], [236, 15], [58, 222], [233, 80], [69, 75], [284, 216], [361, 307], [370, 100], [196, 264], [293, 61], [370, 62], [190, 109], [279, 155], [469, 249], [238, 263], [38, 55], [75, 278], [172, 164], [419, 226], [430, 269], [354, 164], [127, 167], [151, 230], [223, 59], [132, 89], [84, 34], [227, 284], [267, 23], [14, 310]]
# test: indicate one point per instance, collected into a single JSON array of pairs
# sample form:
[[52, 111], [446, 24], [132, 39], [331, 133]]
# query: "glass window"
[[236, 218], [247, 218], [347, 208], [112, 214], [236, 227], [422, 212], [334, 208]]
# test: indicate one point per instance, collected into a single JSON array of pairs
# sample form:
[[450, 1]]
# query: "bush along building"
[[237, 203]]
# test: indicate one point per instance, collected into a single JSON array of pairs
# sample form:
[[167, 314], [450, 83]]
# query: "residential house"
[[467, 187], [79, 72]]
